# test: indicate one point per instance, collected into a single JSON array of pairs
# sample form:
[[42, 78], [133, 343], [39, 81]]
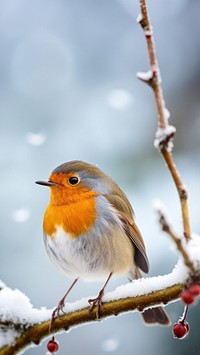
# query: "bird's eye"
[[74, 180]]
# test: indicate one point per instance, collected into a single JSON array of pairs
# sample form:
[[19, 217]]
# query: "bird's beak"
[[46, 183]]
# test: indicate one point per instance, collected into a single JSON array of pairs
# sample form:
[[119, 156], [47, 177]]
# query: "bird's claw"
[[96, 302], [57, 313]]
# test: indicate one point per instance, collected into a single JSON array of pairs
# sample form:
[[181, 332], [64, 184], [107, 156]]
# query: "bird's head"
[[75, 181]]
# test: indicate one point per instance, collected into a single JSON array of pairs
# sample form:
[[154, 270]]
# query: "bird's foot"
[[60, 308], [58, 311], [96, 302]]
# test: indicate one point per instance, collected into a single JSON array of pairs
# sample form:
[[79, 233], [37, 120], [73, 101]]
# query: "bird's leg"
[[98, 300], [61, 304]]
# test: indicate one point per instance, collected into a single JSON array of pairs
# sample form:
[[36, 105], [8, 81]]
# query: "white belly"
[[91, 256]]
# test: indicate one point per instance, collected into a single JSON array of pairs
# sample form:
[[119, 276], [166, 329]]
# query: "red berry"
[[52, 346], [181, 329], [187, 297], [194, 289]]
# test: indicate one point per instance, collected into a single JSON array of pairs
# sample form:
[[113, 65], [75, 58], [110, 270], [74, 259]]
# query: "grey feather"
[[125, 211]]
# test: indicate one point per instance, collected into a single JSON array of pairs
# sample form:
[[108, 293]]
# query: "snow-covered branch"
[[22, 325], [180, 242]]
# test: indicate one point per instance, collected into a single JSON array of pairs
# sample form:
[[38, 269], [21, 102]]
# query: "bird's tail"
[[155, 315]]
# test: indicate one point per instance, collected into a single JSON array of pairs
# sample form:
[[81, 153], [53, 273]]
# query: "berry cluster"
[[188, 296], [52, 346]]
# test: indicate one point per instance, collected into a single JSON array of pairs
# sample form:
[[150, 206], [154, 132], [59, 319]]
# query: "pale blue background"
[[60, 62]]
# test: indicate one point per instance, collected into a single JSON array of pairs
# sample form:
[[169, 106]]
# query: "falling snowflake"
[[120, 99], [21, 215], [111, 344], [35, 139]]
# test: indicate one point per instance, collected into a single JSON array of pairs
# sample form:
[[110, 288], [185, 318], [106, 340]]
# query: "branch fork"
[[149, 77]]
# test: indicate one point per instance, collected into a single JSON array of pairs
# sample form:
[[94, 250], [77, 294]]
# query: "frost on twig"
[[139, 18], [165, 133], [163, 138], [148, 77], [180, 242]]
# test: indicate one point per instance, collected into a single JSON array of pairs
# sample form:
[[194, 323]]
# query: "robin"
[[90, 232]]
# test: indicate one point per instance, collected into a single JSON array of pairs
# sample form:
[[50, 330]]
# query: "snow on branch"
[[23, 325], [163, 138], [180, 242]]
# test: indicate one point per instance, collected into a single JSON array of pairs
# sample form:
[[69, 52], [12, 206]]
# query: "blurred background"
[[68, 90]]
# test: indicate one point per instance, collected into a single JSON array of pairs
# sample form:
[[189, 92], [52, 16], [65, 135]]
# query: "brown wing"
[[125, 213]]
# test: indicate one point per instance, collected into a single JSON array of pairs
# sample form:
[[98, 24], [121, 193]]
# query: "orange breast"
[[74, 218]]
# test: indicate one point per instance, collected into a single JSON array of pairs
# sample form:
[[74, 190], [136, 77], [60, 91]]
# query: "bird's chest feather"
[[86, 242], [75, 219]]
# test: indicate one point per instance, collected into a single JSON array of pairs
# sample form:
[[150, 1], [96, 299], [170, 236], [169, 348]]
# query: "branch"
[[33, 334], [26, 325], [165, 132], [167, 228]]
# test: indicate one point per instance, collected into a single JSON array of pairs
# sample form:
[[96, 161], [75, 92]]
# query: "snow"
[[149, 285], [7, 336], [162, 135], [194, 250], [145, 76], [161, 209], [167, 114], [2, 285], [139, 18], [15, 307], [148, 33]]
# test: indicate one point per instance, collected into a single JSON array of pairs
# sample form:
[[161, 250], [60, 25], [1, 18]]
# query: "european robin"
[[90, 232]]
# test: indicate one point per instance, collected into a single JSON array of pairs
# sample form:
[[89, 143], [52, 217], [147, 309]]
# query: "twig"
[[165, 132], [168, 229]]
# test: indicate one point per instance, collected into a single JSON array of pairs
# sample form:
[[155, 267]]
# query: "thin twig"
[[182, 191], [145, 23], [168, 229], [155, 82], [184, 315]]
